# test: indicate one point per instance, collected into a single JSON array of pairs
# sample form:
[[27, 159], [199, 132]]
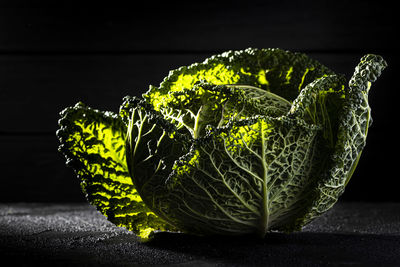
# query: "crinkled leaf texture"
[[93, 143], [244, 143]]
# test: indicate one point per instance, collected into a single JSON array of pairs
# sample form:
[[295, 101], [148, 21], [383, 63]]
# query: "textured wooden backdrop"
[[53, 58]]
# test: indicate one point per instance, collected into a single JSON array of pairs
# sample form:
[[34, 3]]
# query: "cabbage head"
[[246, 142]]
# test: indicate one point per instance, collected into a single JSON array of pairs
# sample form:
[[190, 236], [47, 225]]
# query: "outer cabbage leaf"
[[152, 146], [93, 143], [247, 177], [274, 70], [354, 120]]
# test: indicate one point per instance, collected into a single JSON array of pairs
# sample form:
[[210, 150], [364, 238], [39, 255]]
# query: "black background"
[[51, 58]]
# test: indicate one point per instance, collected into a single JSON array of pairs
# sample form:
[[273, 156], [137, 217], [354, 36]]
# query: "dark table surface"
[[351, 234]]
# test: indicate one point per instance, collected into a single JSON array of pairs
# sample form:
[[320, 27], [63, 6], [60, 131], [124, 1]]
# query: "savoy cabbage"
[[245, 142]]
